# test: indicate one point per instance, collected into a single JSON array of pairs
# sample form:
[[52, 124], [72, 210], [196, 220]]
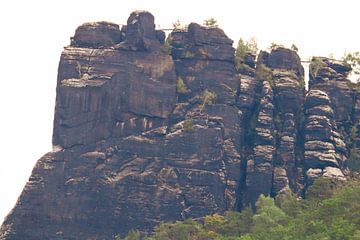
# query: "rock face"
[[323, 151], [143, 136]]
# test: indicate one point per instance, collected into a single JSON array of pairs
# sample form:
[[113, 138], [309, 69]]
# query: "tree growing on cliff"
[[243, 49], [210, 22], [353, 59], [181, 86], [294, 47], [208, 98], [275, 46]]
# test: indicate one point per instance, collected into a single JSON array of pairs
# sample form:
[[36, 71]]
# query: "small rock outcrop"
[[150, 129], [96, 35]]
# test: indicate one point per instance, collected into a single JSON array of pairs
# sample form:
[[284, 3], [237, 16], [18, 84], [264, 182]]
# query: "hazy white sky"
[[32, 34]]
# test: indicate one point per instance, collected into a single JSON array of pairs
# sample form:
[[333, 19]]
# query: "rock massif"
[[144, 135]]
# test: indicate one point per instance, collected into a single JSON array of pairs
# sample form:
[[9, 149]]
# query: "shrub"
[[243, 48], [354, 159], [133, 235], [210, 22], [208, 98], [178, 26], [274, 46], [181, 86], [189, 54], [352, 59], [166, 48], [315, 65], [264, 73]]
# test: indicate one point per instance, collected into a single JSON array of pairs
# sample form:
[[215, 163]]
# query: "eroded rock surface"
[[143, 136]]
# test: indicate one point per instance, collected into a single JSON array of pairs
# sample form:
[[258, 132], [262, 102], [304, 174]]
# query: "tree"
[[353, 59], [210, 22], [208, 98], [181, 86], [133, 235], [269, 220], [274, 46], [243, 49], [288, 202], [294, 47], [315, 65], [264, 73], [176, 24]]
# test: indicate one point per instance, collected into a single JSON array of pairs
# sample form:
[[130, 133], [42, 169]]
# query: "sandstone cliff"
[[142, 135]]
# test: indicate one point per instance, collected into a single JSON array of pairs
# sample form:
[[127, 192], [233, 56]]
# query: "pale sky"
[[33, 33]]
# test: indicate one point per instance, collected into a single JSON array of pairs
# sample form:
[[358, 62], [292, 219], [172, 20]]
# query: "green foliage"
[[166, 48], [330, 211], [243, 48], [188, 125], [315, 65], [189, 54], [178, 26], [289, 203], [268, 220], [133, 235], [232, 224], [210, 22], [320, 190], [186, 230], [274, 46], [354, 158], [208, 98], [181, 86], [227, 88], [353, 59], [263, 73]]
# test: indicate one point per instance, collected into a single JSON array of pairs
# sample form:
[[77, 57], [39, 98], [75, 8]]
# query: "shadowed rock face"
[[142, 136]]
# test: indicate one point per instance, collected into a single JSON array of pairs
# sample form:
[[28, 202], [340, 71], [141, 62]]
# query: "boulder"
[[96, 35], [284, 58], [140, 33]]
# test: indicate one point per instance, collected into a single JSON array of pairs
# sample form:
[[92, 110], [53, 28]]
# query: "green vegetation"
[[227, 88], [243, 48], [188, 125], [178, 26], [330, 211], [353, 59], [189, 54], [274, 46], [181, 86], [264, 73], [208, 98], [166, 48], [315, 65], [132, 235], [210, 22], [354, 158]]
